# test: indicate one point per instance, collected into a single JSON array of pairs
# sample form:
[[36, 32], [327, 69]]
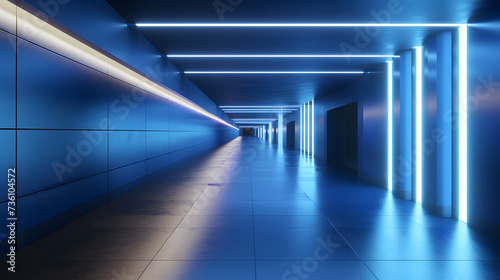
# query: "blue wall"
[[79, 135], [483, 122], [437, 137]]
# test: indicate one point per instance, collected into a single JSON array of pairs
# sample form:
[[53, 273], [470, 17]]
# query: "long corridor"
[[249, 211]]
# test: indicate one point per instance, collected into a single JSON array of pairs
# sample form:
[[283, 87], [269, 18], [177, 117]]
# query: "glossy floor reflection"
[[246, 211]]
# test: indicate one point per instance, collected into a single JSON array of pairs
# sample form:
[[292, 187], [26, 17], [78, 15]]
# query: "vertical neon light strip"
[[418, 124], [280, 132], [462, 138], [389, 125], [301, 129], [308, 129], [304, 131], [270, 132], [312, 124]]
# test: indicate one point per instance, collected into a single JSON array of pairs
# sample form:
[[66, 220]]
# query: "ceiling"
[[286, 89]]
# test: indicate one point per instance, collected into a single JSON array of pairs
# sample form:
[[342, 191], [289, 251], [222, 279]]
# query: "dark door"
[[290, 135], [342, 136], [247, 132], [275, 138]]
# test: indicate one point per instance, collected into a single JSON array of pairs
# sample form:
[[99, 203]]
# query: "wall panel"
[[47, 158], [126, 147], [54, 92], [7, 80]]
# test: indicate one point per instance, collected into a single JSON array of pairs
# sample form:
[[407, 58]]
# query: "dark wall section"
[[342, 136], [370, 93], [290, 135], [483, 123], [79, 137]]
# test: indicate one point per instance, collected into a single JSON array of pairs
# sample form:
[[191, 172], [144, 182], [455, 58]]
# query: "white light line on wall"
[[418, 124], [272, 72], [462, 138], [297, 25], [280, 56], [389, 125], [312, 124]]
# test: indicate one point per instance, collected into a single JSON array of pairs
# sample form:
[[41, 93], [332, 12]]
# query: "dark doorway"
[[247, 132], [290, 135], [342, 136], [275, 138]]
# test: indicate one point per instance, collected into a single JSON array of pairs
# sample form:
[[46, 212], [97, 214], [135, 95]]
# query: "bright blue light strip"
[[389, 125], [250, 119], [308, 130], [418, 125], [277, 107], [296, 25], [235, 109], [312, 124], [278, 56], [270, 130], [259, 112], [301, 129], [462, 138], [280, 132], [304, 129], [273, 72]]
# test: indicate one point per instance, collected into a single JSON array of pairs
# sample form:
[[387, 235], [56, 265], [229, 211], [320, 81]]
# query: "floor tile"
[[209, 244], [217, 221], [313, 269], [300, 243], [435, 270], [291, 221], [200, 270]]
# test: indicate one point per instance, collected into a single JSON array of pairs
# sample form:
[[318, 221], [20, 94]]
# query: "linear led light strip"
[[277, 56], [276, 107], [251, 109], [462, 140], [40, 32], [274, 72], [297, 25], [262, 112], [389, 119], [418, 125]]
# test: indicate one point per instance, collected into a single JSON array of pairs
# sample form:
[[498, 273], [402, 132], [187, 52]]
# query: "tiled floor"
[[248, 212]]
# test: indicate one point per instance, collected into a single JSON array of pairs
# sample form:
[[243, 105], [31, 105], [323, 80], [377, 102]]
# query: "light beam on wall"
[[308, 127], [278, 56], [462, 138], [301, 130], [312, 124], [222, 25], [272, 72], [280, 133], [418, 124], [389, 125]]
